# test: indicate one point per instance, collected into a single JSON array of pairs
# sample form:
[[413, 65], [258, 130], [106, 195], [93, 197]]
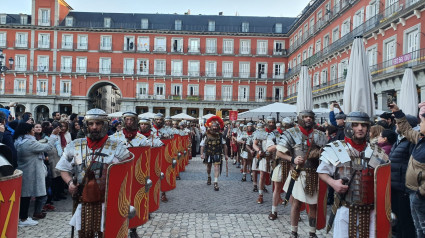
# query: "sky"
[[274, 8]]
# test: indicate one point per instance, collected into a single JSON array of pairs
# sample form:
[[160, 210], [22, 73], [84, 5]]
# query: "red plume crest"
[[215, 118]]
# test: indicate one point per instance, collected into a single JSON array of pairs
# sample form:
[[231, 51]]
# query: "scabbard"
[[289, 192]]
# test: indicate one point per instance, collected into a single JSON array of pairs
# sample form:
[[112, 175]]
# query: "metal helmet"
[[270, 118], [134, 126], [355, 117], [96, 114], [303, 114]]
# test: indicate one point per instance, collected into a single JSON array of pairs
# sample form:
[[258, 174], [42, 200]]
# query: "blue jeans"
[[417, 206]]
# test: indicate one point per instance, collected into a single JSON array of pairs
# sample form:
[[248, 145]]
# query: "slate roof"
[[15, 19], [189, 22]]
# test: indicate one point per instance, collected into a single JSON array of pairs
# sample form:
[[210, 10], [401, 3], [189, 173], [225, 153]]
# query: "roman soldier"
[[301, 147], [130, 134], [168, 126], [349, 166], [213, 146], [152, 135], [158, 126], [261, 164], [245, 139], [88, 158]]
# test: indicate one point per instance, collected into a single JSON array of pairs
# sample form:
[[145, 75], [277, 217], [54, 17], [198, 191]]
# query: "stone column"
[[167, 111], [184, 110], [150, 108], [382, 101], [201, 112], [422, 94]]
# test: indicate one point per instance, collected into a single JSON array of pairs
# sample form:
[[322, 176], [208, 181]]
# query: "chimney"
[[220, 13], [188, 11]]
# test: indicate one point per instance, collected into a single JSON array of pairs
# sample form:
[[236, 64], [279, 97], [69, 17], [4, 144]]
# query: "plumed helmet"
[[96, 114], [355, 117], [134, 126], [215, 120], [305, 113]]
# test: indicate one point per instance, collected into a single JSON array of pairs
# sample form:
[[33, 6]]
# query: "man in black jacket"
[[400, 203]]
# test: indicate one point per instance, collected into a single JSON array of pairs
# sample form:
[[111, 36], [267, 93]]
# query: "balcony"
[[160, 49], [82, 46], [129, 47], [3, 43], [67, 45], [21, 44], [105, 47]]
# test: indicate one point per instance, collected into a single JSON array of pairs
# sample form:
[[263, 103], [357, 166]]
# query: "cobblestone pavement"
[[196, 210]]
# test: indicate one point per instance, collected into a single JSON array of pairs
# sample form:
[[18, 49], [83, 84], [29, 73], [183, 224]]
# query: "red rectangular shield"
[[383, 200], [10, 198], [169, 181], [157, 154]]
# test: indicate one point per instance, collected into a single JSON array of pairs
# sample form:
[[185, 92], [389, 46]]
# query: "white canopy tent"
[[115, 114], [207, 116], [183, 116], [284, 110], [147, 115]]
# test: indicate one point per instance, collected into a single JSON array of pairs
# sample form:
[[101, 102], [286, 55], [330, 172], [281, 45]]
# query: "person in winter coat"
[[31, 162], [415, 173], [400, 204]]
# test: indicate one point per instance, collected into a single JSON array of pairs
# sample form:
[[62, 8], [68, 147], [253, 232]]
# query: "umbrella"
[[115, 114], [358, 95], [183, 116], [408, 100], [147, 115], [305, 94]]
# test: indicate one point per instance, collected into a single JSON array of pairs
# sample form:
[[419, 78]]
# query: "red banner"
[[10, 198], [118, 198], [157, 155], [233, 115]]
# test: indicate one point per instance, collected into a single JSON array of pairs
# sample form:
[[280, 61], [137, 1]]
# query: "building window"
[[209, 92], [318, 46], [411, 40], [194, 46], [20, 86], [211, 25], [3, 37], [159, 91], [227, 46], [24, 19], [310, 51], [106, 43], [81, 65], [244, 69], [245, 47], [43, 41], [226, 92], [143, 66], [334, 73], [324, 76], [176, 90], [43, 63], [326, 41], [69, 21], [145, 24], [21, 40], [372, 9], [128, 66], [260, 93], [245, 26], [278, 93], [227, 69], [142, 90], [335, 34], [192, 90], [279, 70], [389, 49], [177, 45], [105, 65], [211, 68], [316, 80], [42, 87], [67, 41], [342, 68], [143, 43], [178, 25], [160, 44], [65, 88], [3, 19], [2, 86], [66, 64], [160, 67], [44, 17], [176, 67], [358, 18], [193, 68], [211, 46], [243, 93], [20, 63], [262, 47], [129, 43], [261, 70], [312, 26], [107, 22], [278, 28], [345, 27], [278, 47], [82, 42]]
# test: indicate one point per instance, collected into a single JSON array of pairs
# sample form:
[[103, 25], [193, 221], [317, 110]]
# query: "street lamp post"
[[3, 68]]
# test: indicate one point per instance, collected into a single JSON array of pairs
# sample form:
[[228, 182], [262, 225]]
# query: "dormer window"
[[2, 19], [145, 24], [245, 26], [107, 22], [24, 19], [211, 25], [69, 21], [44, 17], [178, 25], [278, 28]]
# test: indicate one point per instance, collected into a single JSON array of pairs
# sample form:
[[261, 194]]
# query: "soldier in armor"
[[151, 134], [130, 135], [262, 141], [168, 127], [299, 147], [158, 126], [213, 146], [88, 158], [348, 161]]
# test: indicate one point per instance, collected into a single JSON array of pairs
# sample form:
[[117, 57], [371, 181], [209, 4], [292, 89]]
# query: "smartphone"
[[390, 101]]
